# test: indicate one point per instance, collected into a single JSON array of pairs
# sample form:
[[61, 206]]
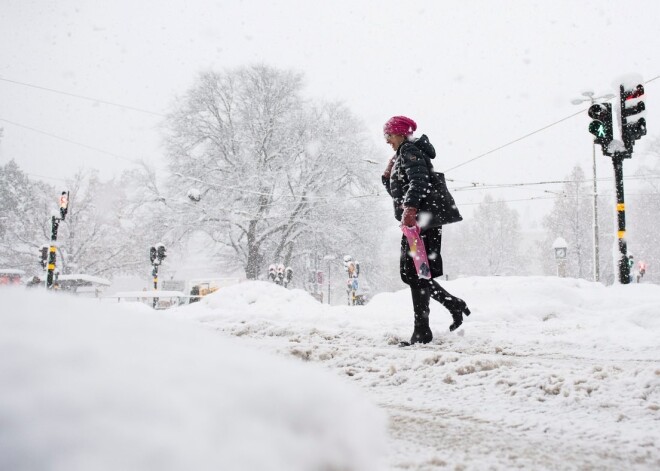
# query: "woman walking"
[[408, 179]]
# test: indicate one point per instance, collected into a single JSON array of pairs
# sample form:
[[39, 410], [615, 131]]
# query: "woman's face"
[[394, 140]]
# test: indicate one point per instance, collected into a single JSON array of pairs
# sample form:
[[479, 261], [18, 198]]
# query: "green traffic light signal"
[[601, 126], [597, 129]]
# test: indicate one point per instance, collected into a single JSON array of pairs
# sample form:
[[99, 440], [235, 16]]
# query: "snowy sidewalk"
[[546, 373]]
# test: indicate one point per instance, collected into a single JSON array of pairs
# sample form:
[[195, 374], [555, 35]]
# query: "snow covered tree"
[[24, 218], [155, 213], [572, 219], [103, 233], [486, 244], [98, 236], [277, 177], [643, 214]]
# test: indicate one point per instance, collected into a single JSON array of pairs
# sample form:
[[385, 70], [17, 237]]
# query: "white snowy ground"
[[86, 386], [546, 373]]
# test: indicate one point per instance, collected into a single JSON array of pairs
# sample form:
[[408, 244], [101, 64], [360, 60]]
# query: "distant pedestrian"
[[641, 270], [409, 178], [352, 268], [34, 282]]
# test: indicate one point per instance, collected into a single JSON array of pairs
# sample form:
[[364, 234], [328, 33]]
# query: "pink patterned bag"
[[417, 251]]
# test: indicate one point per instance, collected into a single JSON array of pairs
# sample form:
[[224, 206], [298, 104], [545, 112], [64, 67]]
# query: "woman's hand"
[[409, 217]]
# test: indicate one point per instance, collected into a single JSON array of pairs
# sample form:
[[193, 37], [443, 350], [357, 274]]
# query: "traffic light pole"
[[631, 130], [329, 258], [328, 281], [52, 254], [633, 127], [154, 273], [602, 113], [156, 255], [624, 270], [595, 232]]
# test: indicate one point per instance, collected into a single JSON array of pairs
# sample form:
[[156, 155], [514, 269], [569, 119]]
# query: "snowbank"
[[546, 373], [92, 386], [566, 312]]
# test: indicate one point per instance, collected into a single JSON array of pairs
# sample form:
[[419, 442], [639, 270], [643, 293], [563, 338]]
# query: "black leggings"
[[422, 290]]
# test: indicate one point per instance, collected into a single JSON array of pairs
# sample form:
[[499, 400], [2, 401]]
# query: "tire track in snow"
[[506, 377]]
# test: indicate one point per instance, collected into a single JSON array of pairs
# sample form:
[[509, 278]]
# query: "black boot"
[[456, 306], [457, 315], [422, 332]]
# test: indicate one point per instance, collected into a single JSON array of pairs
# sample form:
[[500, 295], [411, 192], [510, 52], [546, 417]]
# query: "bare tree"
[[276, 175], [488, 243], [97, 237], [24, 218], [643, 213], [571, 218]]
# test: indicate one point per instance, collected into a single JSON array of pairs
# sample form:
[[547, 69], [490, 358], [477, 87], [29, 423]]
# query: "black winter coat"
[[413, 182]]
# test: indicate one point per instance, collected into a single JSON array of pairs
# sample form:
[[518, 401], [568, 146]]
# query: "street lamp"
[[329, 258], [560, 246], [578, 101]]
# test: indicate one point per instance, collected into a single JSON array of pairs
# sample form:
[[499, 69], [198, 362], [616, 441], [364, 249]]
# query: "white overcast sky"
[[473, 74]]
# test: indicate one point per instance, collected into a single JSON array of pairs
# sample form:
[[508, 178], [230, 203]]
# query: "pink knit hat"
[[400, 125]]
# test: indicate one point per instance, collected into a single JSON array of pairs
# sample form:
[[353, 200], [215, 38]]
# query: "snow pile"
[[546, 373], [260, 297], [88, 385], [564, 312]]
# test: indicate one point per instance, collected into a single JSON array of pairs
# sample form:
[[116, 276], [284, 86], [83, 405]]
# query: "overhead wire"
[[512, 142], [526, 136], [44, 176], [473, 185], [377, 194], [70, 141], [133, 108], [82, 97], [333, 200], [328, 200], [489, 186]]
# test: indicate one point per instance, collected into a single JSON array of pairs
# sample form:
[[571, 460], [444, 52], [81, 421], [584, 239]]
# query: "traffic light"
[[44, 256], [64, 204], [152, 254], [633, 121], [161, 253], [601, 126]]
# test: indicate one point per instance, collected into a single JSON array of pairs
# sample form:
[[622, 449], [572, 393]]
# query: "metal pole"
[[624, 271], [595, 225], [596, 244], [52, 256], [328, 281], [154, 273], [592, 99]]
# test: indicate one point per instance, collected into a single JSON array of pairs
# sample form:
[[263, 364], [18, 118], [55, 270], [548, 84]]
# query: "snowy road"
[[462, 406], [550, 391]]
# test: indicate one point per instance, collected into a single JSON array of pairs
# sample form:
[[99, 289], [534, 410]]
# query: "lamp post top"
[[591, 98], [559, 243]]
